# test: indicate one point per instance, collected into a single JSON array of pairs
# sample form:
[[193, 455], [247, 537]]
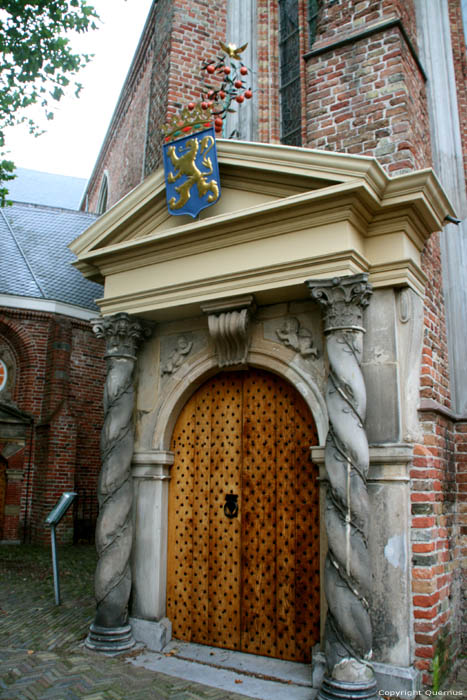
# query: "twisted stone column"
[[110, 630], [347, 576]]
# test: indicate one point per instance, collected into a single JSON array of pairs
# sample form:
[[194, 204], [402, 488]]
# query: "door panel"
[[248, 582]]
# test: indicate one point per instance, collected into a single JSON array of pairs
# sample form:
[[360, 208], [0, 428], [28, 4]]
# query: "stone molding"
[[388, 463], [228, 322], [262, 354], [154, 465]]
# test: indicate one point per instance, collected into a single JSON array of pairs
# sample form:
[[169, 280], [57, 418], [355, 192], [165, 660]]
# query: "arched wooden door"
[[243, 546]]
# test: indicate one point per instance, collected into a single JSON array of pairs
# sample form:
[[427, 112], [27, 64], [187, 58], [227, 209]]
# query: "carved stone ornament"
[[229, 329], [294, 336], [342, 300], [347, 576], [122, 334], [110, 630], [178, 355]]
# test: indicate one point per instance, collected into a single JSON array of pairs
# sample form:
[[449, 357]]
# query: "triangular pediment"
[[252, 177], [285, 214]]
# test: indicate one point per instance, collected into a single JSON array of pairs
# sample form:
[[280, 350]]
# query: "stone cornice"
[[337, 215], [432, 406]]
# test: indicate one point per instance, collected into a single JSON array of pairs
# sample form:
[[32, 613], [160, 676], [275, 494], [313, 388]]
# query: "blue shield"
[[191, 173]]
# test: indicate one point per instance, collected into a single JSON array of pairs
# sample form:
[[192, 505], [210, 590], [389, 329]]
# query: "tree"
[[36, 61]]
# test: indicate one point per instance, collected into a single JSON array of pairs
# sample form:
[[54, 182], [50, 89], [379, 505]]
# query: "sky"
[[73, 138]]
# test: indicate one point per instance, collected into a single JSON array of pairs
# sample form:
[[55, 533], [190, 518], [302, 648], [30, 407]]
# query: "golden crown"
[[192, 118]]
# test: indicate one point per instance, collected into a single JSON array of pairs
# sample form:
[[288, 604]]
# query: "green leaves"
[[36, 60]]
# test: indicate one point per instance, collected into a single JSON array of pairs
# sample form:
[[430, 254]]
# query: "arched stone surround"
[[152, 460]]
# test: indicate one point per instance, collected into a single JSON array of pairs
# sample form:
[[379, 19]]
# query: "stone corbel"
[[228, 323]]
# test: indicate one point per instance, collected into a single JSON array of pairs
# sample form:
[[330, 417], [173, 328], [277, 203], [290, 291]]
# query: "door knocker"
[[231, 505]]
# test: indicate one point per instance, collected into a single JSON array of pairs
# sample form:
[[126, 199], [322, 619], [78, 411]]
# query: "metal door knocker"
[[231, 505]]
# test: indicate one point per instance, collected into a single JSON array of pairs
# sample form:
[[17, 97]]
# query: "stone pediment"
[[285, 214]]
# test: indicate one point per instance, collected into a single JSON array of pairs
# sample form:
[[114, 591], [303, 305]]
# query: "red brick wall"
[[187, 34], [368, 96], [159, 86], [436, 568], [124, 156], [460, 68], [60, 380], [461, 479], [267, 95]]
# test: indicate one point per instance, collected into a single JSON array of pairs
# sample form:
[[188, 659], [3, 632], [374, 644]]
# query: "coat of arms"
[[190, 162]]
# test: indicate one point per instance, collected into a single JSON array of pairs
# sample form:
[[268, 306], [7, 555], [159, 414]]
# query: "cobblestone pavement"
[[41, 644]]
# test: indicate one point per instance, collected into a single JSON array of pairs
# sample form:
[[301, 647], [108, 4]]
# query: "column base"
[[109, 639], [332, 689]]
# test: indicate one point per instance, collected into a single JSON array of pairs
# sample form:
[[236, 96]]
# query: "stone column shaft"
[[110, 630], [347, 575]]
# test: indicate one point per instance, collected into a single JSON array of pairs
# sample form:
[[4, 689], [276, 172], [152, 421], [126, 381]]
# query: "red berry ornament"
[[243, 70], [204, 105], [240, 98], [248, 94], [191, 105], [221, 94], [210, 69], [226, 70], [218, 122], [238, 83]]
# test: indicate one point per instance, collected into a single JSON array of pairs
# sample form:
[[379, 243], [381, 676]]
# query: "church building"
[[285, 438]]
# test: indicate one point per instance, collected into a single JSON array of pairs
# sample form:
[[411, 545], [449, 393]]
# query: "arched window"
[[290, 88], [313, 10], [103, 194], [3, 375]]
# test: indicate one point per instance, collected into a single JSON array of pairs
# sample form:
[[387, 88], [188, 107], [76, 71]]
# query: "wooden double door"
[[243, 546]]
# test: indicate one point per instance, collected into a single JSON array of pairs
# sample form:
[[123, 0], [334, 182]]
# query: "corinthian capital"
[[122, 334], [342, 300]]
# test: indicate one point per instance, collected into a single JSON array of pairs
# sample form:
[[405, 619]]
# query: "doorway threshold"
[[254, 676]]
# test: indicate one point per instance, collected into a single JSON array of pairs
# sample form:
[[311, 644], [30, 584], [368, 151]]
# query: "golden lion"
[[186, 165]]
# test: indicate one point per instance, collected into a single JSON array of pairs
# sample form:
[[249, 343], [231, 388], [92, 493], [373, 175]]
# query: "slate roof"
[[36, 187], [34, 258]]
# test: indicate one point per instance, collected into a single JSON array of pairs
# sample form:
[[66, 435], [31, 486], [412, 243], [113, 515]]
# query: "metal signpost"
[[53, 518]]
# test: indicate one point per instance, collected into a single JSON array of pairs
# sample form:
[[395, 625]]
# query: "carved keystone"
[[228, 323]]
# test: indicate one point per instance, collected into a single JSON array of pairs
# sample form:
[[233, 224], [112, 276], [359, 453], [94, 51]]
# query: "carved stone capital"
[[122, 334], [342, 300], [228, 323]]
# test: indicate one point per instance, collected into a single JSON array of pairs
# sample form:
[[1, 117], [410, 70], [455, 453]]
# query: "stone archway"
[[151, 468]]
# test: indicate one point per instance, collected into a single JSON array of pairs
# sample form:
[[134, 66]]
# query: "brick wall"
[[461, 511], [368, 96], [267, 94], [436, 572], [460, 69], [188, 33], [60, 379]]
